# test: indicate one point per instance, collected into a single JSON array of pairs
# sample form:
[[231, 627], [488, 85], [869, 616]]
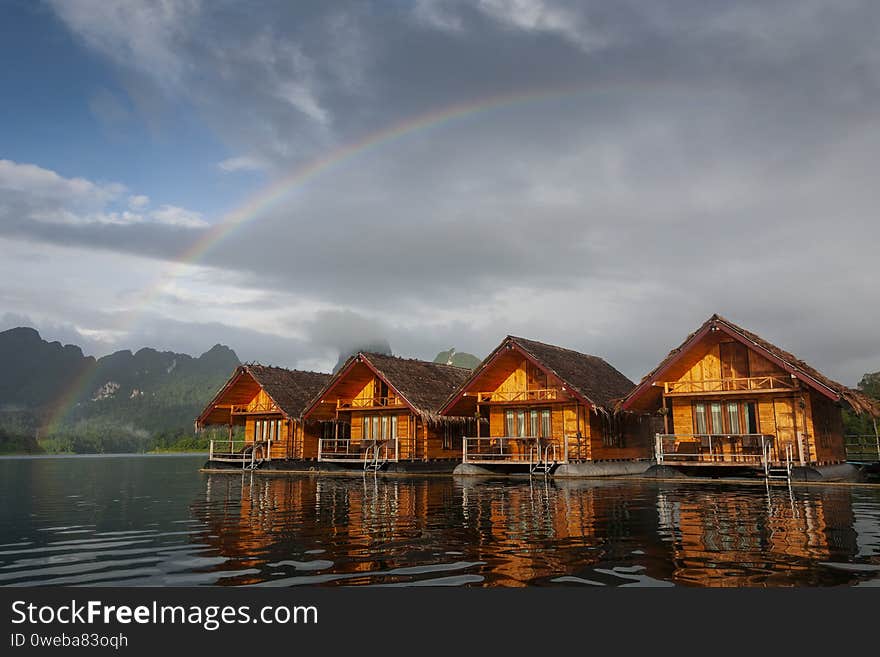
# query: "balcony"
[[715, 449], [769, 383], [368, 402], [517, 396], [247, 453], [346, 450], [261, 408], [501, 450]]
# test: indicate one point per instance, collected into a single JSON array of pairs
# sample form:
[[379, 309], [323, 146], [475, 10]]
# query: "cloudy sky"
[[291, 178]]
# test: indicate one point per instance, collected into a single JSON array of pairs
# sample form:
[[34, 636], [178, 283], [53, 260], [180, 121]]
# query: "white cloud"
[[241, 163], [142, 34], [172, 215], [138, 202], [52, 189], [32, 194], [545, 16]]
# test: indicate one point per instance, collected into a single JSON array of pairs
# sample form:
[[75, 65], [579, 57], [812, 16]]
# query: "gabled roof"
[[590, 378], [291, 390], [858, 401], [422, 385]]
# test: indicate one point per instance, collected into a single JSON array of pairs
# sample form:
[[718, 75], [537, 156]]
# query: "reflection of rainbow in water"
[[282, 187]]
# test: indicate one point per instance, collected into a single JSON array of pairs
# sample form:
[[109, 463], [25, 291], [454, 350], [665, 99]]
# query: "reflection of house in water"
[[729, 540], [508, 534], [363, 525], [499, 532], [552, 528]]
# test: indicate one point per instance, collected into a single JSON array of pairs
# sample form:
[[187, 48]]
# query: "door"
[[783, 409]]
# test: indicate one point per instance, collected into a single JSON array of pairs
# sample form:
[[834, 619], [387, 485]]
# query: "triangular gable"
[[784, 360], [339, 377], [527, 348], [289, 390], [240, 371], [422, 386]]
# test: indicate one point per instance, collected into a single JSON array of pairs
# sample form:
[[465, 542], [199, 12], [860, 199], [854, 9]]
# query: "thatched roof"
[[593, 377], [422, 385], [291, 390], [590, 378], [856, 400]]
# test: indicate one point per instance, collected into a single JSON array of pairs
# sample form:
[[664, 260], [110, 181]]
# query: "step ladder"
[[779, 471], [372, 462], [544, 464]]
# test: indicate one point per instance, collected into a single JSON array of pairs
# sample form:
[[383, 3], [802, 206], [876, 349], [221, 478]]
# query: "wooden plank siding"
[[792, 415], [577, 428]]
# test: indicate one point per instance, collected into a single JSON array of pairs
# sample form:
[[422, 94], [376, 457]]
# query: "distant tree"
[[862, 424]]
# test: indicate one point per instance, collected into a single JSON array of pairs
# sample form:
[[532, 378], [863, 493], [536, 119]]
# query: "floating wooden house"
[[267, 404], [381, 409], [727, 397], [539, 405]]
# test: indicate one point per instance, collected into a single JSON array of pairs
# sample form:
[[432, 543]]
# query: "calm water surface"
[[140, 520]]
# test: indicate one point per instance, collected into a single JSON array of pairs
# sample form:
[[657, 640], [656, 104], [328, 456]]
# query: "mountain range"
[[121, 402], [54, 398]]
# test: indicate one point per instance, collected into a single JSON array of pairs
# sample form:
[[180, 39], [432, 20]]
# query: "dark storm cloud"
[[714, 156]]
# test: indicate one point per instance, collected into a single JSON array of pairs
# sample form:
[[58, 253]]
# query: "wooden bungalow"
[[727, 397], [261, 408], [379, 409], [539, 405]]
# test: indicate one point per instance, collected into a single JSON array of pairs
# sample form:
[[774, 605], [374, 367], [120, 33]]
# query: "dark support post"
[[665, 416]]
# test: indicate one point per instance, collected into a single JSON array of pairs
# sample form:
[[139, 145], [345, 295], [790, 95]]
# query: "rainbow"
[[275, 192]]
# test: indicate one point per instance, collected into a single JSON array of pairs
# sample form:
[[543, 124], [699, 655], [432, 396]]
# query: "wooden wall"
[[819, 422]]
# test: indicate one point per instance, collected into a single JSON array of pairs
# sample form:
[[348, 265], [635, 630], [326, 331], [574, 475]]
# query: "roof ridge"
[[413, 360], [556, 346], [284, 369]]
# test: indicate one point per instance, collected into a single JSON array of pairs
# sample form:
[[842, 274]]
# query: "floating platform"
[[311, 466]]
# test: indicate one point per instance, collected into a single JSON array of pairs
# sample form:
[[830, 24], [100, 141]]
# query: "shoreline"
[[65, 455]]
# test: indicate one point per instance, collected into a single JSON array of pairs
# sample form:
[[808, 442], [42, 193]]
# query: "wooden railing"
[[261, 407], [714, 449], [368, 402], [538, 394], [743, 384], [246, 452], [354, 450], [862, 449], [508, 449]]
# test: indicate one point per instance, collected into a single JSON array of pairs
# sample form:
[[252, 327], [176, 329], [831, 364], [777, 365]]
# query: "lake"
[[156, 520]]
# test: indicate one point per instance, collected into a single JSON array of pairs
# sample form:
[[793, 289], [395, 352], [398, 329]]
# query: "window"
[[751, 417], [379, 427], [733, 417], [257, 429], [509, 429], [701, 424], [733, 423], [717, 418]]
